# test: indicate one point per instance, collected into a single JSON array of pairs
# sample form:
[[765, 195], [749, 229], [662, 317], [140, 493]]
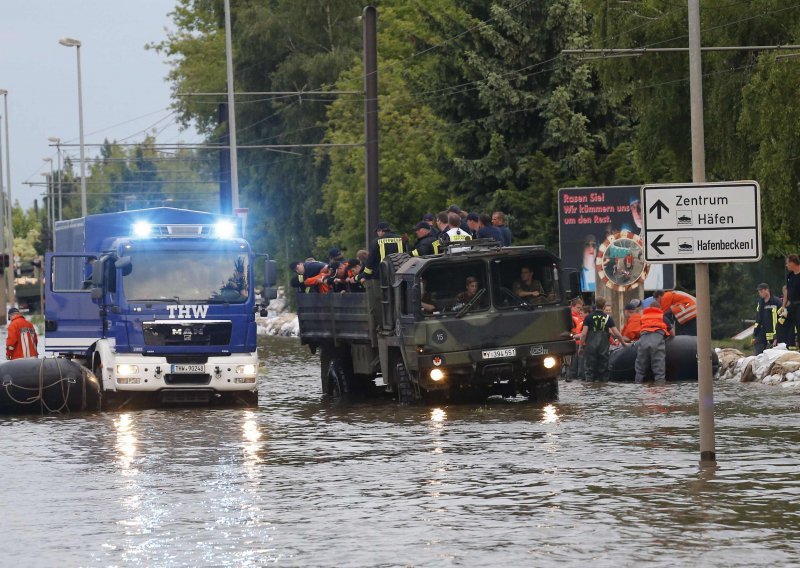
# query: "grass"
[[743, 345]]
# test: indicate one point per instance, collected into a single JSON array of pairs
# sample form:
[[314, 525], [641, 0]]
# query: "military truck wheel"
[[339, 381], [397, 259], [324, 367], [405, 389], [545, 391]]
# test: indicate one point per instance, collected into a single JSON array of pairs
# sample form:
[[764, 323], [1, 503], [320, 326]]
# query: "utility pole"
[[372, 185], [231, 109], [3, 297]]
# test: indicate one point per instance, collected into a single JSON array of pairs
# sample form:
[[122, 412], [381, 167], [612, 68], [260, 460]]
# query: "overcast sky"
[[124, 87]]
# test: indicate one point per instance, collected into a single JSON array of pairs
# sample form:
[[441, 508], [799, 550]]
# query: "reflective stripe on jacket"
[[682, 305]]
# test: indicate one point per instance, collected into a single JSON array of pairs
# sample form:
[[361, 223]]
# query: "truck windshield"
[[524, 282], [454, 289], [214, 276]]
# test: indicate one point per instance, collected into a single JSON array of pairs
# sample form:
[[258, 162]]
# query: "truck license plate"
[[497, 353], [188, 368]]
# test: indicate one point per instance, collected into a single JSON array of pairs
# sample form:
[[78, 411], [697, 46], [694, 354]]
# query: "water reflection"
[[605, 476]]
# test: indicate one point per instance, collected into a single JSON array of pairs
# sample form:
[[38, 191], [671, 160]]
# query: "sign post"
[[697, 224]]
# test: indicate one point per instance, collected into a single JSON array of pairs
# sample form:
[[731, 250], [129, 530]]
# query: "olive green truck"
[[417, 332]]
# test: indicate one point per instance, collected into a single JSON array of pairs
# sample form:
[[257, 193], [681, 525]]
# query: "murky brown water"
[[608, 476]]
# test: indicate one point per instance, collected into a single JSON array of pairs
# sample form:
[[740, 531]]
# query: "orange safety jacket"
[[577, 325], [682, 305], [653, 320], [22, 340], [633, 327], [319, 282]]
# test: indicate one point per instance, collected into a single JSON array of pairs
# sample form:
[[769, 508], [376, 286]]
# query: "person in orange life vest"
[[576, 368], [633, 320], [651, 353], [22, 340], [683, 307]]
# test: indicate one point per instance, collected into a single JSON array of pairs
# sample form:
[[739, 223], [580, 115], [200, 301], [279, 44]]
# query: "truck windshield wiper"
[[471, 303], [175, 299]]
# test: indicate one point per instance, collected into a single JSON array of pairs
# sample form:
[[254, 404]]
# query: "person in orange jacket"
[[22, 341], [633, 320], [651, 353], [576, 368], [683, 307]]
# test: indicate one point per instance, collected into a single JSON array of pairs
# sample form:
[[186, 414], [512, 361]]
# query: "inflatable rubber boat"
[[41, 386]]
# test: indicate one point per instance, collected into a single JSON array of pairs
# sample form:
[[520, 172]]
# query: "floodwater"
[[607, 476]]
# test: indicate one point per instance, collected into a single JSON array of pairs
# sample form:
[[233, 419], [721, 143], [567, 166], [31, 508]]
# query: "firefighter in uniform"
[[427, 241], [22, 341], [386, 243], [594, 342], [766, 319], [651, 353], [576, 366]]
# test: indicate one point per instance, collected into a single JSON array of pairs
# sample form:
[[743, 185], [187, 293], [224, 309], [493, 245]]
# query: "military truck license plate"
[[188, 368], [498, 353]]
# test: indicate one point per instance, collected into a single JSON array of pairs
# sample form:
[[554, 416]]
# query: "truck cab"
[[160, 302]]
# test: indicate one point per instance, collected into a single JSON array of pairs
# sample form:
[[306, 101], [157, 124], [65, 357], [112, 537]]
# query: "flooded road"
[[607, 476]]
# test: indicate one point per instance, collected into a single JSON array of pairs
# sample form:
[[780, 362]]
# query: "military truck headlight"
[[245, 369], [127, 370], [549, 362], [436, 374]]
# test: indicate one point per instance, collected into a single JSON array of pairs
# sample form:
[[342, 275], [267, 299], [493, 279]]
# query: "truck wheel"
[[405, 389], [545, 390], [339, 381], [324, 367]]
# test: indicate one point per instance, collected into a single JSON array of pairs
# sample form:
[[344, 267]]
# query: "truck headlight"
[[224, 230], [436, 374], [549, 362], [127, 370], [245, 369]]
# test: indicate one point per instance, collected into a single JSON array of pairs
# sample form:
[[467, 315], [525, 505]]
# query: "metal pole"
[[84, 208], [57, 141], [3, 300], [708, 455], [9, 210], [372, 180], [231, 109]]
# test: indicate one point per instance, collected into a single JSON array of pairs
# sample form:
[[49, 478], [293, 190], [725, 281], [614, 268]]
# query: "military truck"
[[412, 333]]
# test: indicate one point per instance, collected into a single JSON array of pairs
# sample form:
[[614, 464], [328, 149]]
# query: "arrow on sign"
[[657, 207], [658, 243]]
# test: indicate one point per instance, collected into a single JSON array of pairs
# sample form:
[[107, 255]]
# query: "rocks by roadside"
[[279, 320]]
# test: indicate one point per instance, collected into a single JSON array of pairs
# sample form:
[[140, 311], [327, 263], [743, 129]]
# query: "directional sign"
[[709, 222]]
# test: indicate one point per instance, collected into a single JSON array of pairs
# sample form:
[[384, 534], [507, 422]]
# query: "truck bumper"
[[486, 366], [135, 373]]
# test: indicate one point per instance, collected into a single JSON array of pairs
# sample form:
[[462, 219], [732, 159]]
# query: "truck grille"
[[187, 379], [179, 333]]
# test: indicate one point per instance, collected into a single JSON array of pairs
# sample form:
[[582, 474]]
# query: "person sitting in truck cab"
[[472, 287], [528, 288]]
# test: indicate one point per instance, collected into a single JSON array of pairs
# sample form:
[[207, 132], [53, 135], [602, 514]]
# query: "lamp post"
[[57, 141], [51, 216], [9, 208], [3, 305], [70, 42]]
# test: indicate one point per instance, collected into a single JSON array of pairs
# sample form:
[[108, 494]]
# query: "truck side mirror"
[[270, 273], [98, 274], [573, 280]]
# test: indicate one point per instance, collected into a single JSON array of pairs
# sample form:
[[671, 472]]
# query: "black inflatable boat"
[[681, 360], [40, 386]]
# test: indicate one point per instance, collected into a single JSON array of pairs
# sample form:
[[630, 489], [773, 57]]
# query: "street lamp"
[[3, 306], [57, 141], [70, 42], [9, 207]]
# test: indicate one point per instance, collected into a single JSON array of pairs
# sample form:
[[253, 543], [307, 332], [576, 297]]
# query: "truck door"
[[72, 320]]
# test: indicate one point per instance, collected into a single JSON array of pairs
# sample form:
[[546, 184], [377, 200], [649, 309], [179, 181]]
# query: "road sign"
[[708, 222]]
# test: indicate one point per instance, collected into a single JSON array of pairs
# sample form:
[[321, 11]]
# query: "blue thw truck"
[[158, 303]]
